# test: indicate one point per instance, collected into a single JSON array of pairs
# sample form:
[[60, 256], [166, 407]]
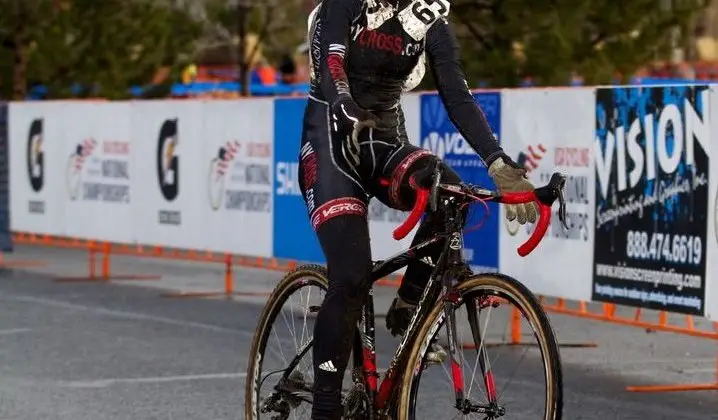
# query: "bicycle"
[[396, 396]]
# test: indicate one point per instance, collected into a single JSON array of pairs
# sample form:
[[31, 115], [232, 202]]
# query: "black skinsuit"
[[373, 67]]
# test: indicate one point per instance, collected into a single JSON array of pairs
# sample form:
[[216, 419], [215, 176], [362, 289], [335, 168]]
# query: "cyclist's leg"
[[337, 208], [403, 161]]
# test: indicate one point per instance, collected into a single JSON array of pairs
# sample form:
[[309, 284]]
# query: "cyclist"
[[363, 55]]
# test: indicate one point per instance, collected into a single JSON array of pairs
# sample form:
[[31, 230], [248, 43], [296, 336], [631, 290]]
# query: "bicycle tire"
[[530, 307], [301, 276]]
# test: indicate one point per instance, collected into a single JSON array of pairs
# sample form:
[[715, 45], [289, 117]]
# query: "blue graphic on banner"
[[294, 237], [438, 134]]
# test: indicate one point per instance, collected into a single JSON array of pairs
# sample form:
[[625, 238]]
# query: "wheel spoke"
[[428, 398]]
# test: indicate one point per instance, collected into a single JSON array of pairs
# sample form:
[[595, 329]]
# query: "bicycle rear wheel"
[[292, 330], [486, 294]]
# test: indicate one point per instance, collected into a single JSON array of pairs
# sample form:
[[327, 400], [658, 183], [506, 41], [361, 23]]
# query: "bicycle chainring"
[[356, 403]]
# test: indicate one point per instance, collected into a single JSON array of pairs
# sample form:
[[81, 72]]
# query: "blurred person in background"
[[189, 74], [705, 45], [263, 73], [287, 69], [301, 60]]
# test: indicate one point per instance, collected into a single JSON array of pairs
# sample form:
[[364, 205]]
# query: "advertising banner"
[[238, 153], [293, 234], [169, 182], [652, 171], [97, 171], [294, 237], [38, 159], [383, 219], [547, 131], [439, 135], [711, 301], [411, 104]]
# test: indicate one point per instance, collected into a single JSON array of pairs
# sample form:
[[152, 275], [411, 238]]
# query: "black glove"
[[348, 120]]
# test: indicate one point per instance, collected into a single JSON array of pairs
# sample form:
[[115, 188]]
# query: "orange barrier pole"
[[515, 326], [105, 268], [228, 275], [106, 248], [228, 279], [609, 316], [91, 259], [516, 336], [91, 267]]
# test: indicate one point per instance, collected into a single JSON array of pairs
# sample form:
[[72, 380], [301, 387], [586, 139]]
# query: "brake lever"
[[562, 204], [434, 198]]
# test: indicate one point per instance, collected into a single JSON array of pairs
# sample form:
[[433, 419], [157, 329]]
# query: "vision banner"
[[652, 172]]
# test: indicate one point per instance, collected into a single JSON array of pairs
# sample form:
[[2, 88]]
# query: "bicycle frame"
[[441, 284], [441, 281]]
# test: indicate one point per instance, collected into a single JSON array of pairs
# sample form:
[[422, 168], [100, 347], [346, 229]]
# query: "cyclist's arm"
[[443, 56], [332, 32]]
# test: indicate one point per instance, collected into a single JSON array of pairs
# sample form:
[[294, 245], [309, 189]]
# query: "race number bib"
[[418, 17], [377, 14]]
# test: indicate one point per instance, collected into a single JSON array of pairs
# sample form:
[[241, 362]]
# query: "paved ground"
[[121, 351]]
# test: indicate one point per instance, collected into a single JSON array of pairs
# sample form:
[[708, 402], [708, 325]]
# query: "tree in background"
[[104, 46], [276, 27], [107, 46], [505, 41]]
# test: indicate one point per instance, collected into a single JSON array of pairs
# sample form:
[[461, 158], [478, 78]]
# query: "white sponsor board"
[[97, 171], [169, 182], [546, 131], [411, 104], [711, 300], [238, 141], [37, 146]]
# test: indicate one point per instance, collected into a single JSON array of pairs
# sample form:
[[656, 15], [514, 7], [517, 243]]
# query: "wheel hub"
[[492, 411]]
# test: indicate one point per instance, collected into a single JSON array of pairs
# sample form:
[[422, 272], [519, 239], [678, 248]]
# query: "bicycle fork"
[[457, 374], [452, 299]]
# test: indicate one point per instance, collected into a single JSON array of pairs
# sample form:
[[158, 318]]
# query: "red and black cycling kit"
[[367, 53]]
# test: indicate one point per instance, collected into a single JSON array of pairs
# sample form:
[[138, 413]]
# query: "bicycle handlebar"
[[544, 197]]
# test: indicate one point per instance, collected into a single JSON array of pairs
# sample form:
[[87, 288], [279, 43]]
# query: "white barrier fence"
[[221, 176]]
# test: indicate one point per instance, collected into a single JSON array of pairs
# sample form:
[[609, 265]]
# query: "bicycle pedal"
[[436, 355]]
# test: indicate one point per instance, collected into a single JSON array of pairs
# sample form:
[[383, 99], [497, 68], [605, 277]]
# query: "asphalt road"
[[115, 351]]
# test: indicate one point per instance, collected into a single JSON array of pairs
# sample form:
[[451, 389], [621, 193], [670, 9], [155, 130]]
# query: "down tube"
[[368, 347]]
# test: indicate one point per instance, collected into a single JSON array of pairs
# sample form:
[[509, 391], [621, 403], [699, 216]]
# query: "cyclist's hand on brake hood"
[[510, 177], [349, 119]]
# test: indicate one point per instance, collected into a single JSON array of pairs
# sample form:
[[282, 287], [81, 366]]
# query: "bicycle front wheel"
[[488, 361]]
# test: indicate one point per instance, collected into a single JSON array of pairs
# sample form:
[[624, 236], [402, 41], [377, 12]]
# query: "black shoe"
[[399, 316], [397, 321]]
